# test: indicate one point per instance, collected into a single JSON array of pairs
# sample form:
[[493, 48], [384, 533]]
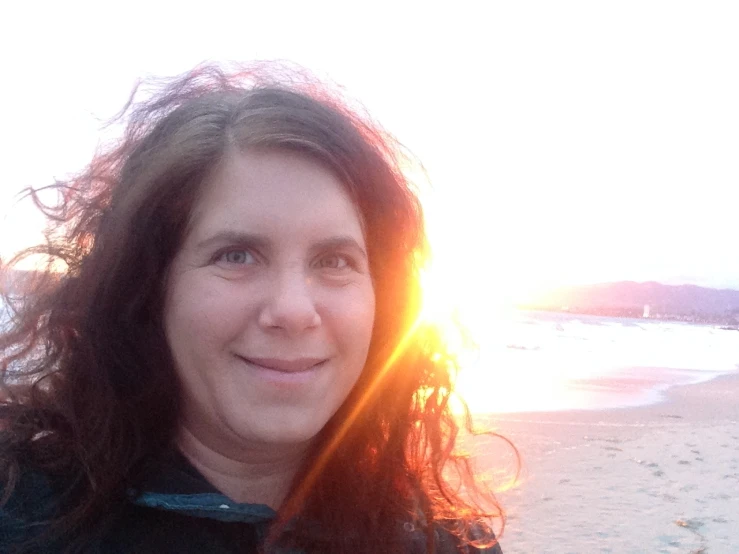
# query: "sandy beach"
[[660, 478]]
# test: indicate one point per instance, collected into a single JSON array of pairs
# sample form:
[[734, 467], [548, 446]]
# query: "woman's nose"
[[290, 304]]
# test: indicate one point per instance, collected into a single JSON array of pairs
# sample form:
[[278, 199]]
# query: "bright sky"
[[566, 141]]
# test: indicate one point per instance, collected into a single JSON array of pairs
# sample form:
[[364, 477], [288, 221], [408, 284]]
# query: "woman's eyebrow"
[[233, 237], [339, 242], [262, 241]]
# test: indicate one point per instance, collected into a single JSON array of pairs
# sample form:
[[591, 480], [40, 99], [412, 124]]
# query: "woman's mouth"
[[285, 371], [287, 365]]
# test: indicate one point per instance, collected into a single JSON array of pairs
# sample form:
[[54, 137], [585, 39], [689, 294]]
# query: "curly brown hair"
[[87, 373]]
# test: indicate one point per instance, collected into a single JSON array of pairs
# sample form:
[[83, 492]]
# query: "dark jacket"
[[177, 510]]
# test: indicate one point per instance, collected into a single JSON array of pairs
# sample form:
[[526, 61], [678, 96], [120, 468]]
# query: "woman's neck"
[[255, 476]]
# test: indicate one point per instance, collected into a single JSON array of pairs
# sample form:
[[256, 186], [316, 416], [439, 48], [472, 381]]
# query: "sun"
[[473, 307]]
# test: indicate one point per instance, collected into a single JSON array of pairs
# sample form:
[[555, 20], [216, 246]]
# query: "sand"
[[661, 478]]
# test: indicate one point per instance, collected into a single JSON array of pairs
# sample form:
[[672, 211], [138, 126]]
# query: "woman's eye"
[[333, 262], [236, 257]]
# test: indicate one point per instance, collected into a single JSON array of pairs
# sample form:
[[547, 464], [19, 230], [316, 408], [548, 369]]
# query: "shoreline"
[[657, 478], [685, 399], [627, 388]]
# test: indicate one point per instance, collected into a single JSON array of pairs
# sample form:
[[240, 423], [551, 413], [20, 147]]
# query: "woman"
[[231, 361]]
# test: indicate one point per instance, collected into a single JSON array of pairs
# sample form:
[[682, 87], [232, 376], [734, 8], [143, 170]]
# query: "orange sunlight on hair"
[[305, 486]]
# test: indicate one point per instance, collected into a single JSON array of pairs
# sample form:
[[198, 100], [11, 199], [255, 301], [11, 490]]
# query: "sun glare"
[[461, 328], [473, 311]]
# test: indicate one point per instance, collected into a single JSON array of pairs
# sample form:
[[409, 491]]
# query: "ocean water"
[[542, 361]]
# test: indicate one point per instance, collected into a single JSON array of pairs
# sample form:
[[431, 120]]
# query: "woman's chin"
[[278, 433]]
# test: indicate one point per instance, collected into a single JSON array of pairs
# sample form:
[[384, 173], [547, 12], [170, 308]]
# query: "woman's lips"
[[286, 365], [283, 372]]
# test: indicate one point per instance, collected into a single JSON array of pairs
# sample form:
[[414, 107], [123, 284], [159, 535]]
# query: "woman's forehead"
[[277, 194]]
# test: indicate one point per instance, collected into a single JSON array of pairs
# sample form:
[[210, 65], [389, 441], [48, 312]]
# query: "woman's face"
[[270, 303]]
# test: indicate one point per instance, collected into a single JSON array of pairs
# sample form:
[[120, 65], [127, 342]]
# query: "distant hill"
[[628, 298]]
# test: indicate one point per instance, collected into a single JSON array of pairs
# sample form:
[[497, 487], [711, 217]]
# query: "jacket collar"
[[179, 487]]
